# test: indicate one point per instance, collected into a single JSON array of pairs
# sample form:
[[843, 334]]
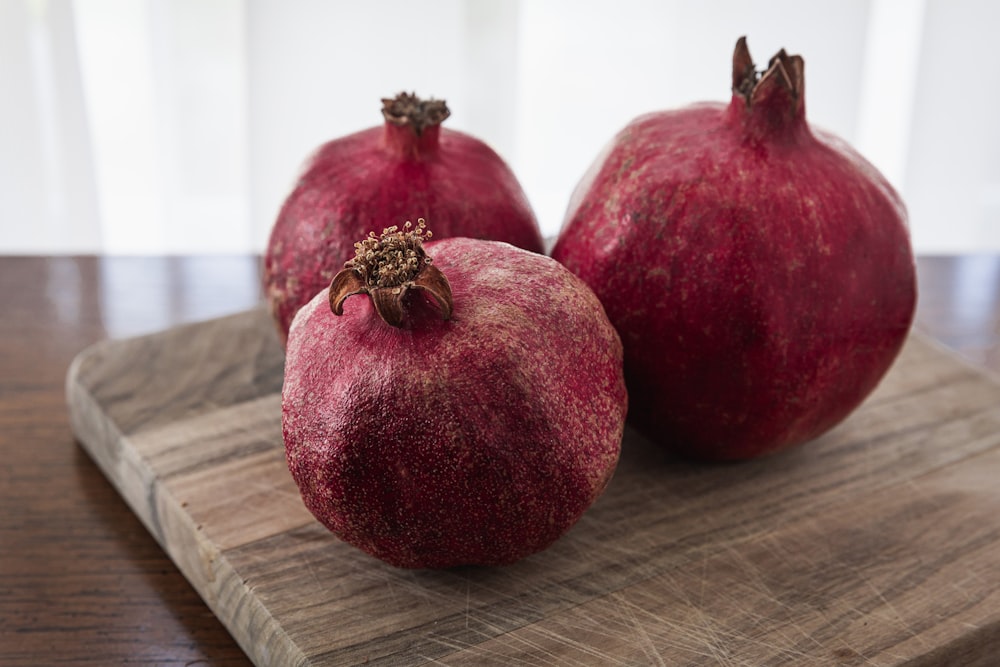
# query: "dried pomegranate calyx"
[[393, 258], [385, 267], [408, 109], [782, 71]]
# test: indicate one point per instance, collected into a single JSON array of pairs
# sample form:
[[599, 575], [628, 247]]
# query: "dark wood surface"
[[80, 578]]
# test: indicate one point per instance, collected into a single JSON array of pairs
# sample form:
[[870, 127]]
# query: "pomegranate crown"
[[408, 109], [783, 78], [386, 267], [393, 258]]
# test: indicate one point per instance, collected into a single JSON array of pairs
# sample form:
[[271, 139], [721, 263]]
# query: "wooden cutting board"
[[878, 544]]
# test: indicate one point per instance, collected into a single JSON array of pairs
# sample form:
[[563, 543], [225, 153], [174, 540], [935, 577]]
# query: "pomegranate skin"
[[355, 183], [759, 272], [473, 441]]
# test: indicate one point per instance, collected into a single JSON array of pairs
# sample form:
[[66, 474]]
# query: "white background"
[[177, 126]]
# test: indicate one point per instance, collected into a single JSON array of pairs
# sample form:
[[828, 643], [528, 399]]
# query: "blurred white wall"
[[48, 195], [177, 126]]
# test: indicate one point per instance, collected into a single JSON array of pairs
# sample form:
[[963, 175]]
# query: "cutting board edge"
[[961, 359], [216, 574], [206, 569]]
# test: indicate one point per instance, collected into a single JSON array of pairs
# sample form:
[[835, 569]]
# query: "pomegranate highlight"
[[354, 183], [759, 271], [464, 411]]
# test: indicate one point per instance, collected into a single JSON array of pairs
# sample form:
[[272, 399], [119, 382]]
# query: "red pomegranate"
[[437, 421], [758, 270], [354, 183]]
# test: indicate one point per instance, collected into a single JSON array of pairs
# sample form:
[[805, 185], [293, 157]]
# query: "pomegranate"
[[442, 420], [759, 271], [354, 183]]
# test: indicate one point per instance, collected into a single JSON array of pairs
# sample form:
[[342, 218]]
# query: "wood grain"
[[873, 545], [82, 581]]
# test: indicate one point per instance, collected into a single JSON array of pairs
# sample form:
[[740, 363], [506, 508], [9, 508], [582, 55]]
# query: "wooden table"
[[81, 580]]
